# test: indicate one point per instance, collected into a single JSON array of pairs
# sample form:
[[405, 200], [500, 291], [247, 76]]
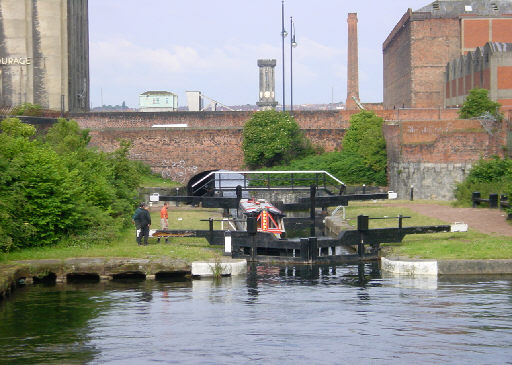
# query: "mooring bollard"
[[475, 198], [304, 249], [493, 200], [251, 226]]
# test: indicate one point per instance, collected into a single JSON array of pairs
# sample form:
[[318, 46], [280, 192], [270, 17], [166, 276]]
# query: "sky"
[[213, 47]]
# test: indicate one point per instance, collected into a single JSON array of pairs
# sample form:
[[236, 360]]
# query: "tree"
[[477, 103], [16, 128], [364, 138], [271, 138]]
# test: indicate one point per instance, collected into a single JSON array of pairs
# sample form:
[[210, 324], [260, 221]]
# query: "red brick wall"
[[434, 42], [476, 32], [505, 77], [306, 119], [183, 152], [453, 141], [486, 79], [502, 30]]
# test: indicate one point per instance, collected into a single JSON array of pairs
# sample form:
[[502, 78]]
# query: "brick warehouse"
[[417, 50]]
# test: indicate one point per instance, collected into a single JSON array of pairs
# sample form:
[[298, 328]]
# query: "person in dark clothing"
[[142, 220]]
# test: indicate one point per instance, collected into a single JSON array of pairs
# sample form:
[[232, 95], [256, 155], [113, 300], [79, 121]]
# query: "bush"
[[57, 188], [486, 177], [477, 104], [27, 109], [271, 138], [363, 159]]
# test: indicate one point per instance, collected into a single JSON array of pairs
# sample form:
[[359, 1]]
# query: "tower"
[[352, 63], [267, 84]]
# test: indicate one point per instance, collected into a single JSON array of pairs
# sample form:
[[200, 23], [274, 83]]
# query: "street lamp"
[[293, 44], [283, 36]]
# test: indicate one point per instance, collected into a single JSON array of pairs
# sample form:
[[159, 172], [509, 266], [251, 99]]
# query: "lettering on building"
[[24, 61]]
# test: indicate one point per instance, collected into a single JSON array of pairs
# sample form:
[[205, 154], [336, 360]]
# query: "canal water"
[[274, 315]]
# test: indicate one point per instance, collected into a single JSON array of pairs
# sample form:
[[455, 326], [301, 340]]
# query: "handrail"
[[268, 172]]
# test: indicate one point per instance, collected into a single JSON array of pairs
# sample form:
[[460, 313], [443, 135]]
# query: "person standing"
[[142, 220], [164, 217]]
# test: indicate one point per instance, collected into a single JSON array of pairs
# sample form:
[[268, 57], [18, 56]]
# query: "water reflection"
[[275, 314]]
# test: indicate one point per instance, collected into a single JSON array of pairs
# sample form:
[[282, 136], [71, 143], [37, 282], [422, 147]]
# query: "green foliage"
[[363, 159], [364, 138], [477, 103], [486, 177], [27, 109], [66, 136], [16, 128], [58, 188], [271, 138]]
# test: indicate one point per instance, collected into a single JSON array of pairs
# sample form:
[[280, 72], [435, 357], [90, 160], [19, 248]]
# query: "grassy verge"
[[457, 245], [156, 180], [183, 248]]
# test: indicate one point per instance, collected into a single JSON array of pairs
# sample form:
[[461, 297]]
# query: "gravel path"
[[489, 221]]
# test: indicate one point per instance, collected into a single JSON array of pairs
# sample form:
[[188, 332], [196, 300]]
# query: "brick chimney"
[[352, 63]]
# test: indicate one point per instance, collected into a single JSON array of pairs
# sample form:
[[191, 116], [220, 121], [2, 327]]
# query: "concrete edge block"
[[207, 269], [410, 267]]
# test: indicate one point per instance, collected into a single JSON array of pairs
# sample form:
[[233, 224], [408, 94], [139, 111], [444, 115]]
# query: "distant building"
[[417, 50], [488, 67], [44, 54], [158, 101]]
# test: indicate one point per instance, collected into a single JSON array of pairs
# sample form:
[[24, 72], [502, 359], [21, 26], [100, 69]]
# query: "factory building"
[[417, 51]]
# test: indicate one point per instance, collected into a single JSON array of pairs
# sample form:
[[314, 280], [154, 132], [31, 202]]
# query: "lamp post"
[[283, 36], [293, 44]]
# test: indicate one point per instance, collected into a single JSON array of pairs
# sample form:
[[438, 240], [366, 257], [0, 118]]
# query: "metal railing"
[[217, 181]]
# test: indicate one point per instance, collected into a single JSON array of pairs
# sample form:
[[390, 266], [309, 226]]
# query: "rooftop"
[[456, 8]]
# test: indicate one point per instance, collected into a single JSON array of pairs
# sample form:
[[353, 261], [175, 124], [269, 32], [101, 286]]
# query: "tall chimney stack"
[[352, 63]]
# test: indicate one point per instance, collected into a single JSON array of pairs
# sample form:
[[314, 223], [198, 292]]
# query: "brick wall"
[[433, 156], [430, 149], [180, 153]]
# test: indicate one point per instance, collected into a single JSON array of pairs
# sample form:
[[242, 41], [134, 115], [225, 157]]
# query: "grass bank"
[[458, 245], [183, 248]]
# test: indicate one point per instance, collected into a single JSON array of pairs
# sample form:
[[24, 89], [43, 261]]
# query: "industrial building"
[[417, 51], [44, 54], [488, 67]]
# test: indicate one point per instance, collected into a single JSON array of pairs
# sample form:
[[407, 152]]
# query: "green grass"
[[156, 180], [457, 245], [182, 248]]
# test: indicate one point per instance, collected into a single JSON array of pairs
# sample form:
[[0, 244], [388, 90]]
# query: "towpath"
[[488, 221]]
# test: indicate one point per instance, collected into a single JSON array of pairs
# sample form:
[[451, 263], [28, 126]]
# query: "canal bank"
[[101, 269]]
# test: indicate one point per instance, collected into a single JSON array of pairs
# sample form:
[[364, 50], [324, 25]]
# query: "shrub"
[[27, 109], [271, 138], [477, 104], [486, 177]]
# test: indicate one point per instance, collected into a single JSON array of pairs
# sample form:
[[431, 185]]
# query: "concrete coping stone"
[[222, 268], [411, 267]]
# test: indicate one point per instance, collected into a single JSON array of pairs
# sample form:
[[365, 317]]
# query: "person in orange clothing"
[[164, 216]]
